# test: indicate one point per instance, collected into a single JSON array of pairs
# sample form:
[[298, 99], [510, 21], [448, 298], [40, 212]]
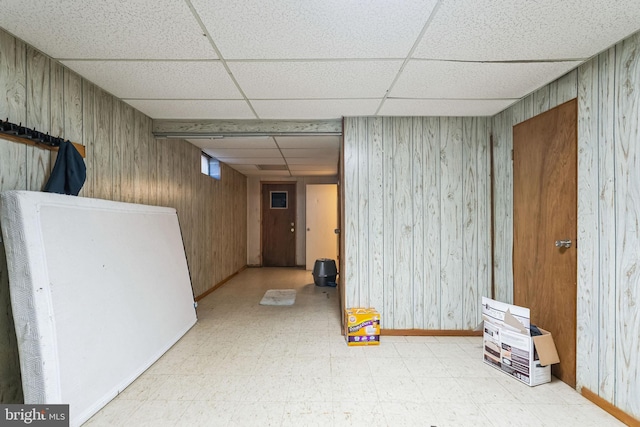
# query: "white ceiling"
[[311, 60]]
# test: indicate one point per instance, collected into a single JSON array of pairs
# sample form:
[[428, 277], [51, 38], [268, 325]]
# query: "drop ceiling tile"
[[315, 108], [136, 29], [245, 168], [192, 109], [240, 152], [302, 168], [159, 79], [311, 79], [498, 30], [251, 160], [444, 107], [314, 173], [310, 152], [311, 161], [473, 80], [267, 173], [260, 142], [308, 141], [288, 29]]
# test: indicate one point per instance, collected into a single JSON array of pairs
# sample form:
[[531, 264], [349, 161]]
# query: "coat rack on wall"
[[24, 135]]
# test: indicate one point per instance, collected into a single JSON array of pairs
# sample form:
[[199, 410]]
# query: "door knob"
[[292, 230], [563, 243]]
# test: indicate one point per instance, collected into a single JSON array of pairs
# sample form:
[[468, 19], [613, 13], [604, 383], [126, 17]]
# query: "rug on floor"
[[279, 297]]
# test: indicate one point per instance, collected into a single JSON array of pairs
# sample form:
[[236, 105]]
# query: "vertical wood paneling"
[[152, 154], [402, 225], [376, 216], [13, 95], [38, 116], [388, 135], [627, 177], [140, 158], [606, 245], [588, 265], [417, 232], [363, 227], [503, 211], [72, 107], [351, 203], [567, 87], [451, 217], [484, 212], [541, 100], [88, 135], [123, 152], [431, 184], [470, 270], [102, 167], [57, 89]]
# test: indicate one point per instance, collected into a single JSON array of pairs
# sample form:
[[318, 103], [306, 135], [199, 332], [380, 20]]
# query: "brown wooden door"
[[278, 225], [544, 211]]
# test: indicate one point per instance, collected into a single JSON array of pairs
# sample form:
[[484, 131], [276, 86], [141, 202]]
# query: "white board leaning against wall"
[[99, 291]]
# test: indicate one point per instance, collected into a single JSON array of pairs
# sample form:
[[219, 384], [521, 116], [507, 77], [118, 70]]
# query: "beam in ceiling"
[[168, 128]]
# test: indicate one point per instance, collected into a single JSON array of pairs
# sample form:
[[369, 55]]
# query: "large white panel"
[[159, 79], [443, 107], [442, 79], [99, 291], [315, 79], [315, 108], [496, 30], [192, 109], [326, 29], [136, 29]]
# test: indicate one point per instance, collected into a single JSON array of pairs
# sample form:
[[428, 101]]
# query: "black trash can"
[[325, 272]]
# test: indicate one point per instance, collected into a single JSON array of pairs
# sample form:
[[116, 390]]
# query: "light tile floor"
[[244, 364]]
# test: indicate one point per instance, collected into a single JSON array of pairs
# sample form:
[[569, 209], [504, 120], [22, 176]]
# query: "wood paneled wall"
[[608, 312], [417, 215], [124, 162]]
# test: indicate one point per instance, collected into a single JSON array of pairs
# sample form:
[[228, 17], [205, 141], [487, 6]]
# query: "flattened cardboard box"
[[362, 326], [508, 345]]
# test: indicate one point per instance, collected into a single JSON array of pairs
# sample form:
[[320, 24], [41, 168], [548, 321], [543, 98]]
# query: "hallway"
[[244, 364]]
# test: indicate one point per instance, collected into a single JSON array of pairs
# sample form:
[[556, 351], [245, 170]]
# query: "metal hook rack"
[[22, 134]]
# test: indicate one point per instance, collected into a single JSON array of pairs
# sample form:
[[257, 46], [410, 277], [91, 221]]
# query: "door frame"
[[295, 234]]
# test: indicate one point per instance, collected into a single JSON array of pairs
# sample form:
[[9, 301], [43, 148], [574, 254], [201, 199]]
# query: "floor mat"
[[279, 297]]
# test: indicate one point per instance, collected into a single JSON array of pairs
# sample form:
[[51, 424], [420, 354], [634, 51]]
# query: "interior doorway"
[[321, 222], [545, 227], [278, 224]]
